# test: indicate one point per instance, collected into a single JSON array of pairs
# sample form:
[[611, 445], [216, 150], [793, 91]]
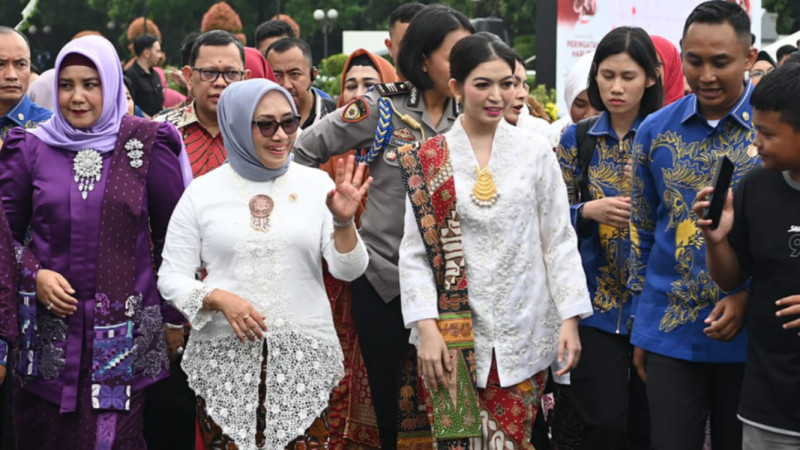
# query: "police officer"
[[386, 118]]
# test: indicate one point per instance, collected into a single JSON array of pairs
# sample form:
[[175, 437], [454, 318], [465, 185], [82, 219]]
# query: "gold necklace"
[[484, 193]]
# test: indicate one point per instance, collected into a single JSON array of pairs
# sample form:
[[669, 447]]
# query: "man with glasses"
[[217, 60]]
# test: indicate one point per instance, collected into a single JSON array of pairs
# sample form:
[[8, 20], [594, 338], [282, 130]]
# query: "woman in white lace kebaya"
[[259, 227], [492, 287]]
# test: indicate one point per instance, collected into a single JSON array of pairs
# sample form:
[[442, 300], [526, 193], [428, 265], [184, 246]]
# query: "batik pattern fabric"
[[429, 182], [28, 343], [676, 152], [605, 250], [44, 427], [205, 152], [351, 414], [25, 114], [8, 289], [117, 306], [507, 414]]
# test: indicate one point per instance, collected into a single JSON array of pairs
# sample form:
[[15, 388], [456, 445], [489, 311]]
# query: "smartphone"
[[722, 182]]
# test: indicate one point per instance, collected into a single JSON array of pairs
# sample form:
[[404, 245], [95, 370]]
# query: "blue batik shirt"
[[675, 154], [604, 249], [25, 114]]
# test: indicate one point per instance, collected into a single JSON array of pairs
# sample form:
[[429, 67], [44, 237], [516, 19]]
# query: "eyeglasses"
[[758, 73], [269, 127], [211, 75]]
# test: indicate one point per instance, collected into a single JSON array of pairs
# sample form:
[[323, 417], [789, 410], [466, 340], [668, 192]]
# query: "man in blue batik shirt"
[[686, 329], [16, 109]]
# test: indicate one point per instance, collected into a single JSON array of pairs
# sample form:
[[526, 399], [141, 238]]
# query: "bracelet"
[[173, 326], [205, 301], [343, 223]]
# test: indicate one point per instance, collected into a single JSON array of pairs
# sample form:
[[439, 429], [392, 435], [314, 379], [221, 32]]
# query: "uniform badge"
[[391, 155], [356, 111], [392, 89], [752, 151], [401, 137], [413, 98]]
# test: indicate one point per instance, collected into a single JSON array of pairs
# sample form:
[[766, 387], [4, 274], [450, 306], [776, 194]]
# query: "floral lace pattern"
[[193, 307]]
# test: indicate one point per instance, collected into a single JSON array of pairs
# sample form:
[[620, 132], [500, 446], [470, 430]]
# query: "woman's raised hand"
[[350, 188]]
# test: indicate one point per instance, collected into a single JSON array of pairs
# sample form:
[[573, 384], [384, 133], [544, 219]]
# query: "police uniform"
[[387, 117]]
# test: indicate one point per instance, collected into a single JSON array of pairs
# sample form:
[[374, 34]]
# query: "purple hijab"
[[57, 132]]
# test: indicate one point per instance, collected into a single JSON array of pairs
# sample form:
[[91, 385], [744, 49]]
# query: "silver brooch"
[[135, 153], [88, 167]]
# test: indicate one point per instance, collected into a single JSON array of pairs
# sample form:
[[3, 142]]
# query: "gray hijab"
[[235, 110]]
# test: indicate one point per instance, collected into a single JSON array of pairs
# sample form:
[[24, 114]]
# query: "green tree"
[[788, 14], [176, 18]]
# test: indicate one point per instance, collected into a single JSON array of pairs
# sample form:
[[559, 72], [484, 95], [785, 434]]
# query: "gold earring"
[[459, 99]]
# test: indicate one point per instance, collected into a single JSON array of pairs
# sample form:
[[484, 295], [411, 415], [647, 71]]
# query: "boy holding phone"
[[759, 237]]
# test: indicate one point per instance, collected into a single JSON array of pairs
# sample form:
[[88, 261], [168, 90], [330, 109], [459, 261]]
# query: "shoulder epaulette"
[[392, 89]]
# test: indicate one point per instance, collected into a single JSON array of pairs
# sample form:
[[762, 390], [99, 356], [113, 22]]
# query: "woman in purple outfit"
[[8, 290], [96, 188]]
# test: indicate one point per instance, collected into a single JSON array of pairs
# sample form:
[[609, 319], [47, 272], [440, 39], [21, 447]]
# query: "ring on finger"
[[356, 185], [50, 306], [246, 316]]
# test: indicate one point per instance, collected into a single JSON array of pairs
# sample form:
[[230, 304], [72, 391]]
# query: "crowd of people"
[[424, 261]]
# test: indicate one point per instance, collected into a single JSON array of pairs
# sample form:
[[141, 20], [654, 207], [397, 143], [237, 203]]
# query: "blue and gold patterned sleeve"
[[567, 154], [644, 204]]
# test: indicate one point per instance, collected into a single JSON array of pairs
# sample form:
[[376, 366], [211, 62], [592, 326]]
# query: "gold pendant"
[[484, 193]]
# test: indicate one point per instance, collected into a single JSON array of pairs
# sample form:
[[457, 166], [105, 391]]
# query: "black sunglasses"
[[270, 127]]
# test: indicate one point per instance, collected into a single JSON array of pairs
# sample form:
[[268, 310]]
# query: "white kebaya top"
[[523, 266], [278, 271]]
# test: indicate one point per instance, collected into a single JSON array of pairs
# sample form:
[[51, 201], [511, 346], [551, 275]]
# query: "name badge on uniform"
[[401, 137], [356, 111]]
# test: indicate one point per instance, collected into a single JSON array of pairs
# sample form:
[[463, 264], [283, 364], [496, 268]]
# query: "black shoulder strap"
[[586, 144]]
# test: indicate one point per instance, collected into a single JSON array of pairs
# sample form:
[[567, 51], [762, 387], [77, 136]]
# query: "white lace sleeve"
[[566, 281], [417, 286], [181, 260], [343, 266]]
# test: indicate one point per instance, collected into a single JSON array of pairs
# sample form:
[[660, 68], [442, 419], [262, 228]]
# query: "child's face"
[[778, 142]]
